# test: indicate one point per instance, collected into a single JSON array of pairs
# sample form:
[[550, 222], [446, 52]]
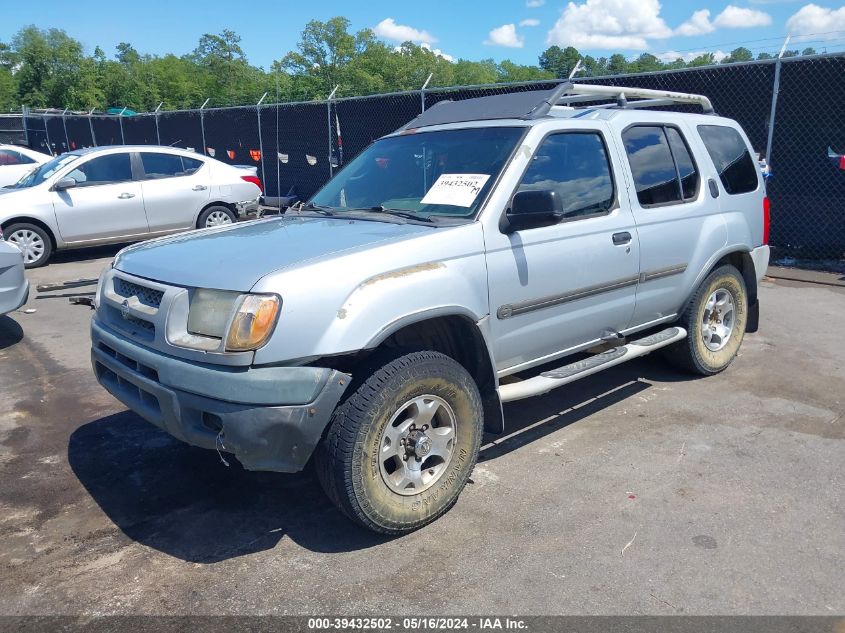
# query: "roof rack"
[[568, 93], [534, 104]]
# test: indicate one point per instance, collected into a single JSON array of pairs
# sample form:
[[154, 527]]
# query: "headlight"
[[210, 312], [253, 322]]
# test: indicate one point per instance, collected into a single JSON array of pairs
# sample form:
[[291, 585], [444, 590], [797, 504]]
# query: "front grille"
[[147, 296], [131, 363]]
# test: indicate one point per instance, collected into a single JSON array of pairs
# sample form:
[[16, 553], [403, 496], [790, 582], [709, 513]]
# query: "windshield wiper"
[[398, 213], [317, 208]]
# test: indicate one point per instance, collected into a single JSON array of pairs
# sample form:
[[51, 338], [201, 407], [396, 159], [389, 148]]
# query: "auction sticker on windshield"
[[459, 190]]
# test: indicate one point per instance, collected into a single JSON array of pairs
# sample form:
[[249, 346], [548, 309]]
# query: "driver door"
[[106, 204], [558, 287]]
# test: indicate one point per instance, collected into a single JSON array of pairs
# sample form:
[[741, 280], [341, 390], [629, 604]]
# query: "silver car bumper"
[[247, 206], [14, 288]]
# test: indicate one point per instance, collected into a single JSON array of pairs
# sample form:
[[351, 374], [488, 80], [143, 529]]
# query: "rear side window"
[[157, 165], [730, 155], [663, 169], [10, 157], [103, 170], [575, 165]]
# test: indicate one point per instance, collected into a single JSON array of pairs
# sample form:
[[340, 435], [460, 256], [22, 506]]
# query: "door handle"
[[126, 196], [620, 239], [200, 187], [714, 188]]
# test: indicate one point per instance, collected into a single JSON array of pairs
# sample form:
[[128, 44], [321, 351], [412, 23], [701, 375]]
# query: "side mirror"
[[64, 183], [530, 209]]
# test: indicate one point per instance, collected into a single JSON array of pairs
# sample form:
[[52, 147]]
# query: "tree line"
[[43, 68]]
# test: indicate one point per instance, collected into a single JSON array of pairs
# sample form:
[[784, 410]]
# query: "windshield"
[[444, 173], [43, 172]]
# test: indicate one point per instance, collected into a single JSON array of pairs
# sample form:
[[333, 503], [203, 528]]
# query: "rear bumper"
[[277, 436], [760, 257], [247, 206]]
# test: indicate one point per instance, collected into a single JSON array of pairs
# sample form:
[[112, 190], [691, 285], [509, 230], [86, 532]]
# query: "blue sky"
[[473, 29]]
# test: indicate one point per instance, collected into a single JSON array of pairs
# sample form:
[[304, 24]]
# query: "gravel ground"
[[636, 491]]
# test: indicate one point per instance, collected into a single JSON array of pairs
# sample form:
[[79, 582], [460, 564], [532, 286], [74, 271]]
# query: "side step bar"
[[555, 378]]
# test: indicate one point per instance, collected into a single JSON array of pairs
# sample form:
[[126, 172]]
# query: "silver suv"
[[490, 250]]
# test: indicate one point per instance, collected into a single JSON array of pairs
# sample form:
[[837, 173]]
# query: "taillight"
[[767, 221], [255, 180]]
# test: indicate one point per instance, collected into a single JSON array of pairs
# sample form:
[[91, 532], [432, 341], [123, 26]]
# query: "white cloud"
[[389, 30], [670, 56], [505, 35], [812, 18], [625, 24], [698, 24], [530, 22], [737, 18], [533, 4]]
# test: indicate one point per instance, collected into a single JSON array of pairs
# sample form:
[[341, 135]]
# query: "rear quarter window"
[[734, 164]]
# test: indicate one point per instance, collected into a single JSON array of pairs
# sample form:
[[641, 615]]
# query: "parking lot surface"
[[638, 490]]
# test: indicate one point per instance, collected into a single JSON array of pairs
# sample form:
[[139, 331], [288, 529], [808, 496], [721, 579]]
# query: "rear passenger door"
[[175, 189], [554, 288], [677, 217]]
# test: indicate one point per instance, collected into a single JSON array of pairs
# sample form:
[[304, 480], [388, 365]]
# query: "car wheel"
[[715, 320], [401, 447], [32, 240], [217, 215]]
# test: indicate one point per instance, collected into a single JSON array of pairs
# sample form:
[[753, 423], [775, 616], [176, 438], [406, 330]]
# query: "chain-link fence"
[[298, 146]]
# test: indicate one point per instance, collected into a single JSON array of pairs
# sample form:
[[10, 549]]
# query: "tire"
[[216, 216], [35, 243], [359, 461], [709, 350]]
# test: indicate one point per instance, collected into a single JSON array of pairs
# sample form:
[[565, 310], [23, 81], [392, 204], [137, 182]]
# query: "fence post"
[[422, 92], [773, 112], [260, 139], [64, 124], [158, 135], [122, 137], [47, 133], [91, 124], [202, 124], [25, 111], [329, 122]]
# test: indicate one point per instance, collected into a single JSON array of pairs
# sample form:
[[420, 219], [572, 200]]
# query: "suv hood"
[[236, 257]]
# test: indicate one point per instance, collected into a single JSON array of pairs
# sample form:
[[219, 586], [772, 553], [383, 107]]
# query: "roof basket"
[[534, 104]]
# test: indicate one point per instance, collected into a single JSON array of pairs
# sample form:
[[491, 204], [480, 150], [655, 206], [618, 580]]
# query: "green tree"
[[617, 64], [645, 63], [740, 54], [559, 61], [809, 51], [509, 71], [763, 56], [705, 59]]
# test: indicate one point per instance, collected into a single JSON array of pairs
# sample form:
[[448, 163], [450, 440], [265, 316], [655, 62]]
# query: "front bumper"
[[14, 288], [269, 418]]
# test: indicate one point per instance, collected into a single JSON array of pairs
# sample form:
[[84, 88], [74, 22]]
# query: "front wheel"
[[401, 447], [715, 320], [33, 242]]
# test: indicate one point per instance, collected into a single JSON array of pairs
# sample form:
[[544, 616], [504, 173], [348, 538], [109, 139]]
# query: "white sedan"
[[16, 162], [121, 194]]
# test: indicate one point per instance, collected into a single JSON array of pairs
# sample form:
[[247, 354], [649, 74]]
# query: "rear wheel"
[[217, 215], [715, 320], [400, 449], [32, 240]]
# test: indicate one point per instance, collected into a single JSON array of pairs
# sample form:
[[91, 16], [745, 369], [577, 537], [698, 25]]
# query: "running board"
[[555, 378]]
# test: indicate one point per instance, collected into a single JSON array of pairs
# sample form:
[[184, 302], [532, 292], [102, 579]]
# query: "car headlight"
[[253, 323], [245, 322]]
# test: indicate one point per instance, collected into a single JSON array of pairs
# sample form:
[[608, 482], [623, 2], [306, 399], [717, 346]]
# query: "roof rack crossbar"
[[621, 94], [634, 105]]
